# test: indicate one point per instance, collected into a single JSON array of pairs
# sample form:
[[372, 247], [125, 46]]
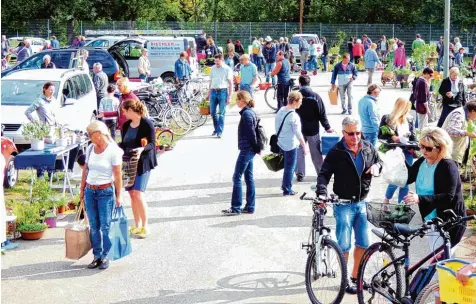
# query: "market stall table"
[[46, 160]]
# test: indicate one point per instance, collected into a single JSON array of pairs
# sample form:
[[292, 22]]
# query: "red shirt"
[[358, 50], [124, 97]]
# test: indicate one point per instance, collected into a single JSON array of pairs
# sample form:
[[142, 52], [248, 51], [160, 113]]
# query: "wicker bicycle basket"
[[129, 170], [378, 213]]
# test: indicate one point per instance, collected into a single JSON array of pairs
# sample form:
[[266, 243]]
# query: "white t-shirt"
[[100, 165]]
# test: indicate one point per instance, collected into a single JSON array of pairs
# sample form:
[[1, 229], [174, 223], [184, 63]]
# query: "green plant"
[[420, 54], [26, 212], [59, 201], [35, 130], [203, 104], [50, 214], [32, 227], [464, 71], [404, 71], [340, 39]]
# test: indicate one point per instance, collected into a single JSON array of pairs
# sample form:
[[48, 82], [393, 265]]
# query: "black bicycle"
[[326, 269], [270, 95], [385, 278]]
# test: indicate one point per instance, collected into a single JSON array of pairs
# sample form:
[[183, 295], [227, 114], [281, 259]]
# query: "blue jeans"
[[268, 68], [247, 88], [143, 77], [324, 62], [371, 138], [99, 205], [312, 64], [351, 216], [440, 62], [404, 190], [290, 161], [260, 63], [244, 165], [218, 98]]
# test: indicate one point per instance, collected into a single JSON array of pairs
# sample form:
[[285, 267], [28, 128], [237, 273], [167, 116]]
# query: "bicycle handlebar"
[[332, 199]]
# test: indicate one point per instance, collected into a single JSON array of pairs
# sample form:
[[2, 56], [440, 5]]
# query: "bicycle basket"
[[378, 213], [129, 170]]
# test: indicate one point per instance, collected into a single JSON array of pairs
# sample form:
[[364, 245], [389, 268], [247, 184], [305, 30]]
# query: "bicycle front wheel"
[[328, 285], [270, 98], [429, 295], [390, 281], [178, 121]]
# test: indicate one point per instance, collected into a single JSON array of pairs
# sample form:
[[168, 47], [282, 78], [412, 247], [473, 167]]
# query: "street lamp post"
[[446, 58], [301, 13]]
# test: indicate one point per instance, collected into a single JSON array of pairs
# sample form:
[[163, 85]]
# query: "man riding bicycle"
[[352, 161]]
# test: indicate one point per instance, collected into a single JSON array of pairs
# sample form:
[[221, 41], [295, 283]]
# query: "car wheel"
[[11, 174]]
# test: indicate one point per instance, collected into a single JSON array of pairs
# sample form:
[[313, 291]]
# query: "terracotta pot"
[[204, 110], [60, 209], [32, 235], [71, 206]]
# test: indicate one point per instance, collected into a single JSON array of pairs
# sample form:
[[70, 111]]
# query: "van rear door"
[[163, 53]]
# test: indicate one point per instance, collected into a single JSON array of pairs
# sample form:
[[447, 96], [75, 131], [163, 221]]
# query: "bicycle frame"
[[437, 255], [317, 234]]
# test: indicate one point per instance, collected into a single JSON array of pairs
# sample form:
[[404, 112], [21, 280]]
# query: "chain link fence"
[[244, 31]]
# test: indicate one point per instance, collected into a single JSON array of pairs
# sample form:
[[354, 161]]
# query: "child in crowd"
[[459, 57], [109, 110]]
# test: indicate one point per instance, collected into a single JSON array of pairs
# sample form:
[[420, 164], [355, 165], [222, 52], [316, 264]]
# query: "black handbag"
[[273, 141]]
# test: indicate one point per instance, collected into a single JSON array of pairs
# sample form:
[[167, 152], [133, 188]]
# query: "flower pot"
[[50, 139], [37, 144], [204, 110], [60, 209], [32, 235], [51, 222], [72, 206], [470, 212]]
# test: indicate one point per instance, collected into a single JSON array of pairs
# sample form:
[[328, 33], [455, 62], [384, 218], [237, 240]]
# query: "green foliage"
[[421, 54], [404, 71], [32, 227], [203, 104], [35, 130], [27, 213]]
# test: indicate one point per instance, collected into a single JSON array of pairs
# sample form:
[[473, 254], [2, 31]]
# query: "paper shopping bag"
[[77, 237]]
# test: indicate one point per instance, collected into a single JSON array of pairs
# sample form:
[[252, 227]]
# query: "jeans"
[[99, 205], [143, 77], [254, 59], [304, 57], [218, 98], [244, 165], [290, 158], [260, 63], [316, 155], [404, 190], [440, 62], [282, 94], [268, 68], [371, 73], [444, 113], [342, 91], [324, 62], [351, 216], [247, 88], [111, 124], [313, 65], [371, 138]]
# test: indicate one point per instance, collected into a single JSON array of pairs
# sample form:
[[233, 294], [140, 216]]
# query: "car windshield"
[[295, 39], [16, 92]]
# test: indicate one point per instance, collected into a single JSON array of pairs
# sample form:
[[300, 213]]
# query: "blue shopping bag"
[[119, 234]]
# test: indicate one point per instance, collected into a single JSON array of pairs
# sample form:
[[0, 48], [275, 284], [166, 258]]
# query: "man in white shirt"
[[219, 94], [143, 66]]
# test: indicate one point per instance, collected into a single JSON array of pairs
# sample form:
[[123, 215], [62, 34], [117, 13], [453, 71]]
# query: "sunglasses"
[[91, 133], [426, 148], [353, 133]]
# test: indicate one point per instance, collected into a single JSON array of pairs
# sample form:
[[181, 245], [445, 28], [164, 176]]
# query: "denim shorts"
[[140, 183], [351, 216]]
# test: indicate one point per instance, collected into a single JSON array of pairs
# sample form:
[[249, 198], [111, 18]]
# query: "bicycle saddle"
[[405, 230]]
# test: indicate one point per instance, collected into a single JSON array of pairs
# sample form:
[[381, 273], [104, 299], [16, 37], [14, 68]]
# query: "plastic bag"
[[394, 170]]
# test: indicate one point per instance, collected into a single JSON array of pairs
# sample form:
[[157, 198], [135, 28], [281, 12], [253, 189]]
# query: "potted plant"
[[33, 231], [74, 202], [29, 220], [60, 204], [50, 219], [403, 74], [36, 131], [387, 74], [204, 107]]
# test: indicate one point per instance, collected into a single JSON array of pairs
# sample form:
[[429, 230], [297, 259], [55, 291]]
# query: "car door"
[[131, 51], [61, 59]]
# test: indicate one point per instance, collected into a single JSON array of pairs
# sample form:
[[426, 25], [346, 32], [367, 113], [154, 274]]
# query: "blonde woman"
[[289, 139], [437, 183], [101, 186], [398, 127]]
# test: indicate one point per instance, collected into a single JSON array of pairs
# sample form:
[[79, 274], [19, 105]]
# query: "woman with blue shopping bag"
[[101, 186]]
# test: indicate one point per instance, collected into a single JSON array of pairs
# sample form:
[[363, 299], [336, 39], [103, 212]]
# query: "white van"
[[163, 53], [74, 92], [294, 43]]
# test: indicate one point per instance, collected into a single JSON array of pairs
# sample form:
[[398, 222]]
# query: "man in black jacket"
[[452, 90], [352, 161], [312, 112]]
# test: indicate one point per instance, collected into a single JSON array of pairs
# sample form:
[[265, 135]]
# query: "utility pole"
[[446, 58], [301, 13]]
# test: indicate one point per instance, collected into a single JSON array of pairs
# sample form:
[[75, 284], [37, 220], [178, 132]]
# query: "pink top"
[[400, 58], [474, 62]]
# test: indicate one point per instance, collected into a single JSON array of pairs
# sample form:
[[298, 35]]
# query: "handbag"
[[119, 235], [274, 161], [77, 236], [273, 141]]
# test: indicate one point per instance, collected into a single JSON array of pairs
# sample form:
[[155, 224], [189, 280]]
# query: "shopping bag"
[[119, 235], [328, 141], [333, 94], [274, 161], [77, 237], [394, 170]]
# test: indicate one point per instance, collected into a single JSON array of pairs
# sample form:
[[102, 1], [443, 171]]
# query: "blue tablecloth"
[[45, 160]]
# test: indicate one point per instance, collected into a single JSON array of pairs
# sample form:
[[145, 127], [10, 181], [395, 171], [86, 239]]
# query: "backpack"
[[261, 135]]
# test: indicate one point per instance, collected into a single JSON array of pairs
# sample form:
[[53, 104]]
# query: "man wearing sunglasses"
[[352, 162]]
